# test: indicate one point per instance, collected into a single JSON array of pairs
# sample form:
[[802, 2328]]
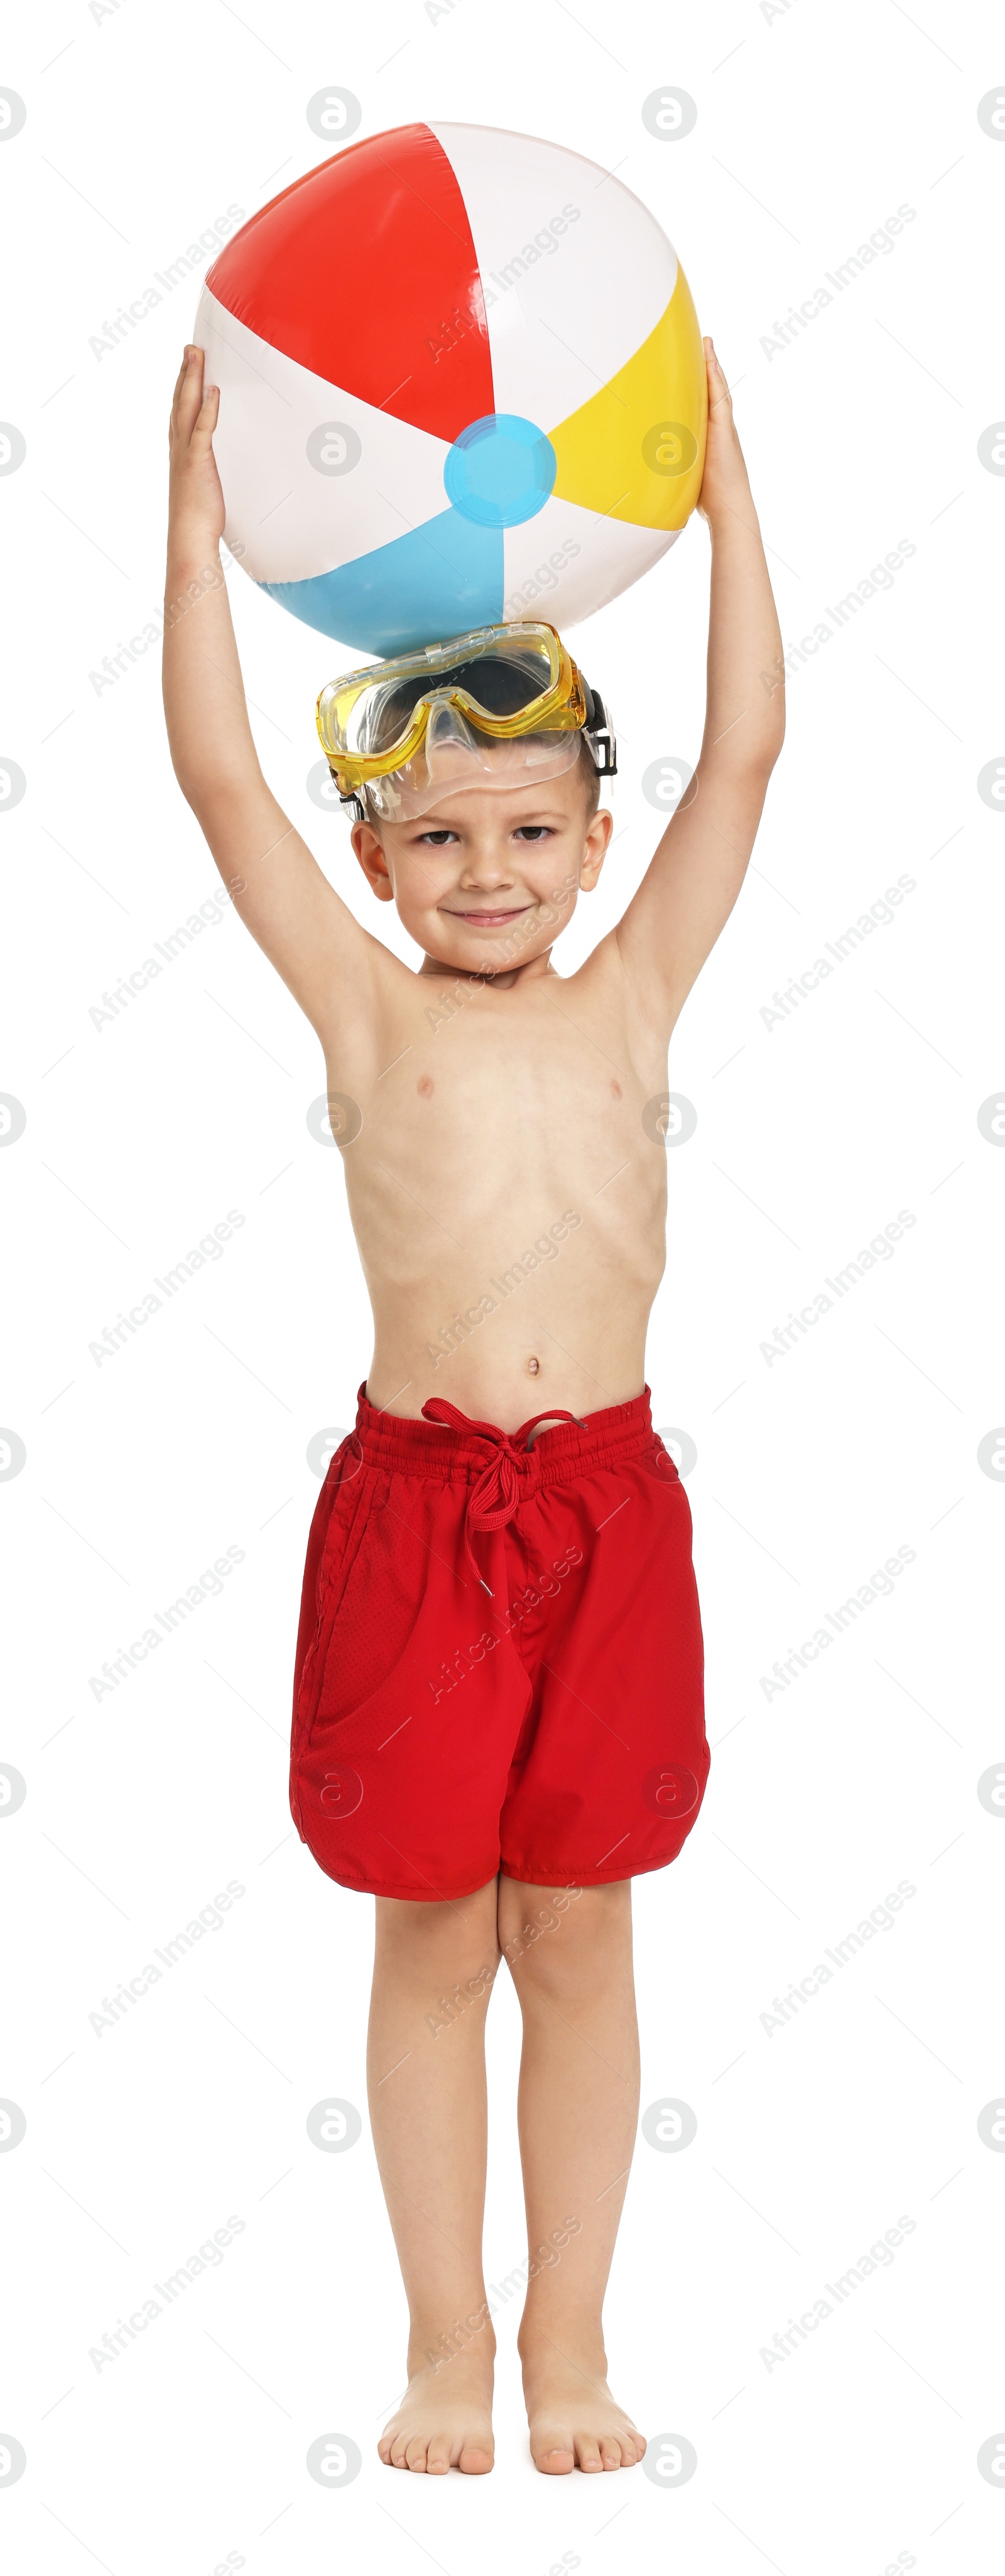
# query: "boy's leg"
[[434, 1967], [578, 2109]]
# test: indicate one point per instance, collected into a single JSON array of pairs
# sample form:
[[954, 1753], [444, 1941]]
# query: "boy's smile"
[[491, 919]]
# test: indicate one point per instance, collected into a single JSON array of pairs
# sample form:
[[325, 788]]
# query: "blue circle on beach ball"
[[500, 471]]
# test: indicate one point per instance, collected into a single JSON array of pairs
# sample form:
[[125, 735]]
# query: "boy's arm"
[[689, 890], [313, 939]]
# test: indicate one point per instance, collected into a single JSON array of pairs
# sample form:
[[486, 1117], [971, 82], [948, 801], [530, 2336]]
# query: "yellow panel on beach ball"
[[636, 450]]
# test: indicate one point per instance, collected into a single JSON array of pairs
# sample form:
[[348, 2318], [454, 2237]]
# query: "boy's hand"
[[724, 482], [196, 509]]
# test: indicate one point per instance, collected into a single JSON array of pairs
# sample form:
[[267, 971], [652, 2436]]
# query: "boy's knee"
[[447, 1953], [558, 1935]]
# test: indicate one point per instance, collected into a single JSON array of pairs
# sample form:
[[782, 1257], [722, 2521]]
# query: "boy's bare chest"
[[477, 1080]]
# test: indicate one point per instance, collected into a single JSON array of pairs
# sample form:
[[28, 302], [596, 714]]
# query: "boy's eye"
[[436, 839], [533, 832]]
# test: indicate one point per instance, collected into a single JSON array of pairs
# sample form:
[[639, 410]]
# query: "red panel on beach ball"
[[365, 271]]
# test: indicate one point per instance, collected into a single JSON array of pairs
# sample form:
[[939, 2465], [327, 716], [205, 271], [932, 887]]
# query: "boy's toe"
[[554, 2453], [437, 2455], [588, 2451], [610, 2451], [475, 2459], [415, 2452]]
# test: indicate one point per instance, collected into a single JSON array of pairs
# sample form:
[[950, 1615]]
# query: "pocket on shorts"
[[374, 1609], [347, 1521]]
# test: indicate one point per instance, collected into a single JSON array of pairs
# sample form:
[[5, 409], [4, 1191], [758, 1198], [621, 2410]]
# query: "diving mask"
[[503, 707]]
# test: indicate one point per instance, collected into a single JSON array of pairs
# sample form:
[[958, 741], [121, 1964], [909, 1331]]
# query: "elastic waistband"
[[417, 1448]]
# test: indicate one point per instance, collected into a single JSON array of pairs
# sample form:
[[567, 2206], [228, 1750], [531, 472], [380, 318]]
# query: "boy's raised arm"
[[692, 883], [310, 936]]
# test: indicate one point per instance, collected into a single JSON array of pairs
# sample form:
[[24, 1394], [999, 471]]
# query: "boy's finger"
[[178, 383], [190, 392], [183, 369], [206, 422], [718, 383]]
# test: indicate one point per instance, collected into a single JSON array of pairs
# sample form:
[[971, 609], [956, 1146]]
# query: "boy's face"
[[485, 882]]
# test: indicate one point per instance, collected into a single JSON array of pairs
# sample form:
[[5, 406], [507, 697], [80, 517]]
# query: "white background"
[[859, 2448]]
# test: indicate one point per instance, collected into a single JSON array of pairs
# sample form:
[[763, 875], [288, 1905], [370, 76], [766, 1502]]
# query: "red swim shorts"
[[499, 1664]]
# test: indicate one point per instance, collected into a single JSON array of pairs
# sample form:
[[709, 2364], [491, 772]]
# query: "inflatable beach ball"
[[461, 378]]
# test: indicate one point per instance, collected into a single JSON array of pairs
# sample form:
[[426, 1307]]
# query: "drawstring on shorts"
[[495, 1495]]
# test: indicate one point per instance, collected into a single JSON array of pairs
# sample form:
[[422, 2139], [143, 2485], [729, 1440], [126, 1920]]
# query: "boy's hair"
[[590, 776]]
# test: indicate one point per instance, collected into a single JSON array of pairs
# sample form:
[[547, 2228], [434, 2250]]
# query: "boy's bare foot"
[[444, 2420], [573, 2420]]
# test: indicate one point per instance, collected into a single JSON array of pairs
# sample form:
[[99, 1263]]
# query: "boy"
[[498, 1708]]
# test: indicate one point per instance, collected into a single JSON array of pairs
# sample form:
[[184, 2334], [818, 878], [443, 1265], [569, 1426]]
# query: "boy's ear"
[[370, 854], [595, 850]]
